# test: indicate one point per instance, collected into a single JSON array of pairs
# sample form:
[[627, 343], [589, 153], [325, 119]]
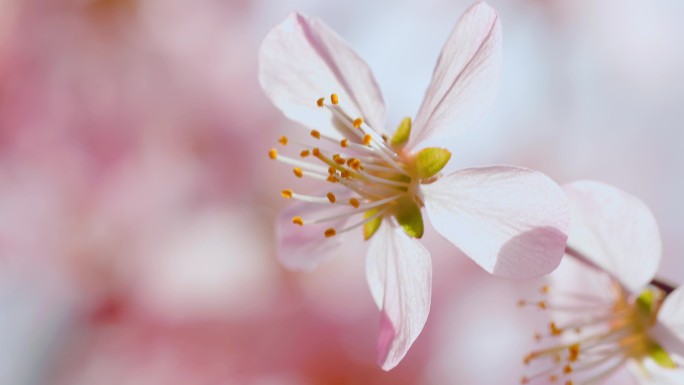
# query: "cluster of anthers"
[[380, 179], [599, 336]]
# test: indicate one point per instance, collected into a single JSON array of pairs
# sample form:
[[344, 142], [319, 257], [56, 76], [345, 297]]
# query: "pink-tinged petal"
[[305, 247], [615, 230], [511, 221], [465, 80], [302, 59], [670, 334], [399, 272]]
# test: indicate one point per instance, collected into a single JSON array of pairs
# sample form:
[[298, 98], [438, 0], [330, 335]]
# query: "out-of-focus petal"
[[649, 373], [305, 247], [302, 59], [671, 322], [615, 230], [511, 221], [399, 272], [464, 82]]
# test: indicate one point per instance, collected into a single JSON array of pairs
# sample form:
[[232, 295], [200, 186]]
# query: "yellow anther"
[[522, 303], [345, 174], [573, 352], [384, 138], [569, 383], [330, 232], [541, 305], [283, 140], [287, 194], [332, 179], [304, 153], [331, 197], [553, 378], [298, 172], [528, 358], [354, 202], [555, 330], [273, 153], [344, 142], [567, 369], [316, 134], [339, 160], [331, 170], [334, 99], [355, 164], [367, 140], [320, 101], [357, 122], [545, 289], [298, 221], [316, 151]]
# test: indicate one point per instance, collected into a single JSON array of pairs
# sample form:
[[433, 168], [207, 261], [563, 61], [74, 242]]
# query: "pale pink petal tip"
[[465, 80], [302, 59], [511, 221], [614, 230], [399, 272]]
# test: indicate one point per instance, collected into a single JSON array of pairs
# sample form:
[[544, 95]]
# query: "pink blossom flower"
[[612, 314], [511, 221]]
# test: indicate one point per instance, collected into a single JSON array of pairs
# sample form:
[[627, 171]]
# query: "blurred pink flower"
[[621, 320], [511, 221]]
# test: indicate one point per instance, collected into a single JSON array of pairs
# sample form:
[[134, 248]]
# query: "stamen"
[[344, 142], [610, 334], [367, 139], [331, 197], [316, 134], [330, 232], [299, 163], [309, 198], [378, 148], [320, 102], [334, 99], [304, 153], [357, 123], [354, 202], [283, 140], [298, 221], [287, 194], [298, 172], [339, 159], [383, 180], [363, 222], [273, 153], [380, 202]]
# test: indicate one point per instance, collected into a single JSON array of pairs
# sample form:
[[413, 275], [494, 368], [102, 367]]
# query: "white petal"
[[465, 80], [615, 230], [305, 247], [399, 272], [671, 322], [302, 60], [649, 373], [511, 221]]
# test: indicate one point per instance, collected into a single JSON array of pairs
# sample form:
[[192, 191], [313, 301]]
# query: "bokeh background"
[[137, 201]]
